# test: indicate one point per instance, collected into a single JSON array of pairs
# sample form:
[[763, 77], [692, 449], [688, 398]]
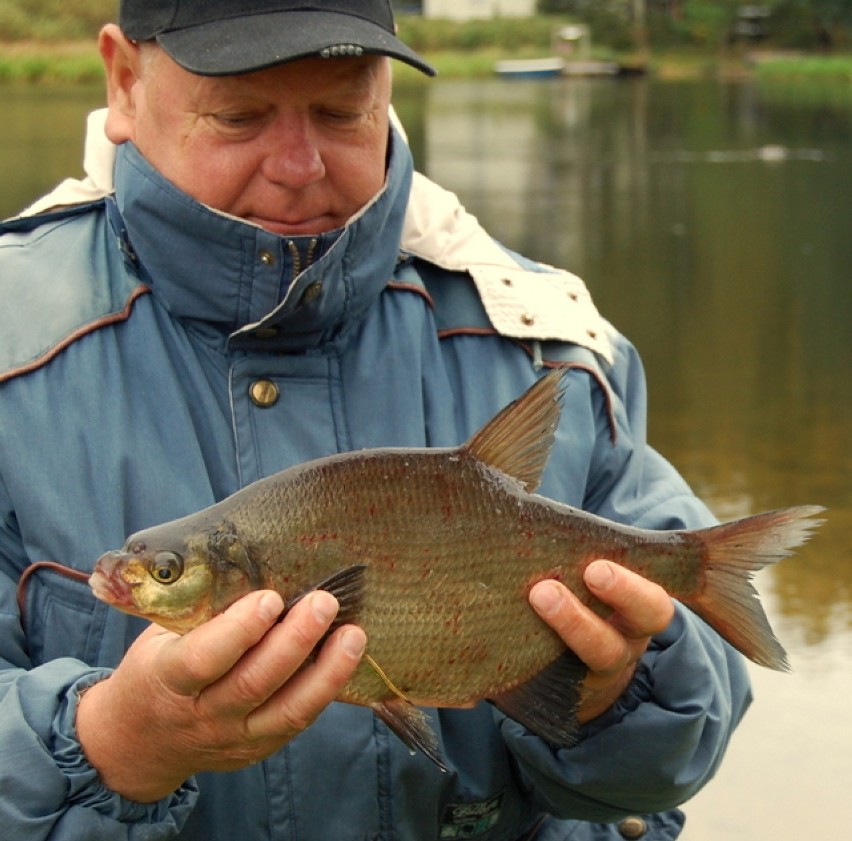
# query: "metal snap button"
[[266, 257], [632, 827], [264, 393]]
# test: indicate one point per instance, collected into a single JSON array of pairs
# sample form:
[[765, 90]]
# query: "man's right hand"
[[225, 695]]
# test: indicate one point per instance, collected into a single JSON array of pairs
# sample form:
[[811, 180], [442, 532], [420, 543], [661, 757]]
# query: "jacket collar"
[[519, 302], [260, 289]]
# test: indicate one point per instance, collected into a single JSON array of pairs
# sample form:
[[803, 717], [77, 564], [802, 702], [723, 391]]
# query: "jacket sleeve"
[[47, 788], [665, 738]]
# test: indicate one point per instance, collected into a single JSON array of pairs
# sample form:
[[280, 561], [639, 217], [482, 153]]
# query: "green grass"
[[499, 34], [54, 20], [54, 41], [828, 68], [73, 63]]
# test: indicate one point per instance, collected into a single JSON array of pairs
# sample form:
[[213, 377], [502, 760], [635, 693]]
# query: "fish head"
[[171, 579]]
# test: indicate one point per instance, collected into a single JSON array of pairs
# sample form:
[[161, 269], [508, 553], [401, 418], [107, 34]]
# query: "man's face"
[[296, 149]]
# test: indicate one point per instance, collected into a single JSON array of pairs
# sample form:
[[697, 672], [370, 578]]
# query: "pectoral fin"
[[547, 704], [347, 586]]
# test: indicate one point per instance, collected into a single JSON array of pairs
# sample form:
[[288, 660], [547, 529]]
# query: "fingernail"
[[324, 606], [546, 598], [599, 575], [270, 606], [354, 642]]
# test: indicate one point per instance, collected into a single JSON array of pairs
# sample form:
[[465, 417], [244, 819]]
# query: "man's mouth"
[[297, 227]]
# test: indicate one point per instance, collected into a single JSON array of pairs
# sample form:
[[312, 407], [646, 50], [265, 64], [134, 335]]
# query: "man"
[[255, 280]]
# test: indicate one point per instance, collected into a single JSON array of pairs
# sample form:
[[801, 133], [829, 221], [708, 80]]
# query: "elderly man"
[[251, 276]]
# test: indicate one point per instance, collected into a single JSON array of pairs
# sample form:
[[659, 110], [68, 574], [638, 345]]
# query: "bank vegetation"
[[54, 40]]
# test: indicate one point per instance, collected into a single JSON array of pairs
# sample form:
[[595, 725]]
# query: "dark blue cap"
[[223, 37]]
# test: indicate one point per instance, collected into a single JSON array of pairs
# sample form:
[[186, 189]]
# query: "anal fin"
[[547, 703], [412, 726]]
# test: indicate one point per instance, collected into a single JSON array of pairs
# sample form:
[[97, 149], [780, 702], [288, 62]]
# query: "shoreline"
[[78, 62]]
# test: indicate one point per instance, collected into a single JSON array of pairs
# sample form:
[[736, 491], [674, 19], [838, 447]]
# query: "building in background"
[[469, 9]]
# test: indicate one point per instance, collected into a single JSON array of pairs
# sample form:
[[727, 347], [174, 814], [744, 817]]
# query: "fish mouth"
[[107, 583]]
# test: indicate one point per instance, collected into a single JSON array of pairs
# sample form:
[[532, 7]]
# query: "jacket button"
[[632, 827], [263, 393], [266, 257]]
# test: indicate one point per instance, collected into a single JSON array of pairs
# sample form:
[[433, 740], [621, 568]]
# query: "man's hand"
[[227, 694], [610, 647]]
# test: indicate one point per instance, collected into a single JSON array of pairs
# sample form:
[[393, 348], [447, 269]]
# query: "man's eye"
[[235, 120], [343, 118]]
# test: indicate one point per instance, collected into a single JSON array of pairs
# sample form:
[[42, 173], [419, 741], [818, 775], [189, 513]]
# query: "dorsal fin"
[[518, 439]]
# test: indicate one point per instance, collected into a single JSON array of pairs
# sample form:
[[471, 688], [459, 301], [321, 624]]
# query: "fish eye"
[[166, 567]]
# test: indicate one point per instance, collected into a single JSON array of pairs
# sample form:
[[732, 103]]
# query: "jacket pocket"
[[59, 613]]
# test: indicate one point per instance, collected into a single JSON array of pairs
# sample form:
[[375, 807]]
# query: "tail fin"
[[728, 601]]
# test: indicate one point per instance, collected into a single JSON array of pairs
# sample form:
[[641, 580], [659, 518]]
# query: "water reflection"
[[712, 228], [42, 139], [712, 224]]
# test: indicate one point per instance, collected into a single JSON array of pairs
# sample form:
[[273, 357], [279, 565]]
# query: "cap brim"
[[254, 42]]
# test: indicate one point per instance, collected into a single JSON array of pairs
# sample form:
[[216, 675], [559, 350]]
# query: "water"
[[711, 222]]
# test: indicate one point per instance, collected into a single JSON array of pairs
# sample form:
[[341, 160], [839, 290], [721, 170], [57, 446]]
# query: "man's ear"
[[122, 63]]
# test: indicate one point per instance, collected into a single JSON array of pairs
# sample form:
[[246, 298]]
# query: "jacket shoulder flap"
[[60, 278], [459, 308], [522, 299]]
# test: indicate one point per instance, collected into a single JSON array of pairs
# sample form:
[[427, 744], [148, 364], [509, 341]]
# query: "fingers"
[[640, 610], [226, 694], [243, 661], [210, 651], [641, 607], [275, 687], [610, 646], [275, 657], [296, 705], [596, 642]]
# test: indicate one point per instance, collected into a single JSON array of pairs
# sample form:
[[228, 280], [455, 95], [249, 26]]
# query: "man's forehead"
[[353, 76]]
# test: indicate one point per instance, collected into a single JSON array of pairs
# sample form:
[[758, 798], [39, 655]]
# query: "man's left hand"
[[610, 646]]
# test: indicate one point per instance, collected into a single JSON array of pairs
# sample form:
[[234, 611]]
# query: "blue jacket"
[[131, 332]]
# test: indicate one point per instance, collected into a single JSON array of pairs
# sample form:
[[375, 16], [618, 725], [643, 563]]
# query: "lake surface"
[[712, 224]]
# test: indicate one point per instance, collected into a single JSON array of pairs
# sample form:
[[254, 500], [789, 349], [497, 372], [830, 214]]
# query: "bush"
[[506, 34], [54, 20], [609, 20]]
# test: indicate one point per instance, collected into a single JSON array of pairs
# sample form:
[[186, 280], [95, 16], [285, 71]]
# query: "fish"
[[433, 552]]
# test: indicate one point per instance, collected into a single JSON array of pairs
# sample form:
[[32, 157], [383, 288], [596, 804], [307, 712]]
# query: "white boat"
[[530, 68]]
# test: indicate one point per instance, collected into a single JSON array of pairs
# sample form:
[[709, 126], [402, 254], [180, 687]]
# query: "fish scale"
[[434, 552], [423, 596]]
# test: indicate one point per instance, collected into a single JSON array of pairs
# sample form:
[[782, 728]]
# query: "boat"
[[547, 68], [592, 68], [530, 68], [572, 56]]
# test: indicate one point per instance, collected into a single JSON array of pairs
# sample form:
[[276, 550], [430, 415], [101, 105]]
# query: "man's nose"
[[293, 158]]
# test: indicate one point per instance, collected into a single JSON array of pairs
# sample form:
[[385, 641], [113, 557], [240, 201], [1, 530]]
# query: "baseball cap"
[[226, 37]]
